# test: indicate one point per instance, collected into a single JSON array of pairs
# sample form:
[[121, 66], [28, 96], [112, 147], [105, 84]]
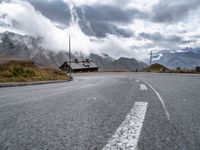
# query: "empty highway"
[[103, 111]]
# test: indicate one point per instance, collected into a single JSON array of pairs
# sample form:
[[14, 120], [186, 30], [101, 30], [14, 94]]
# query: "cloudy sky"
[[130, 28]]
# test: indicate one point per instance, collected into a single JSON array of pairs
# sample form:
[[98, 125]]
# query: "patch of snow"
[[159, 57]]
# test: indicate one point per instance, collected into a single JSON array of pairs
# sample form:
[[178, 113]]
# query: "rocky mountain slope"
[[185, 59], [17, 46], [13, 45], [107, 63]]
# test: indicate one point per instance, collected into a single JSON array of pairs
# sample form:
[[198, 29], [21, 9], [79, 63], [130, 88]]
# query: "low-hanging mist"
[[121, 28], [25, 19]]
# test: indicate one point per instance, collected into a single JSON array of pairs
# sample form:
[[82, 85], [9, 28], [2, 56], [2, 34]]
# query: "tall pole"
[[150, 61], [70, 70]]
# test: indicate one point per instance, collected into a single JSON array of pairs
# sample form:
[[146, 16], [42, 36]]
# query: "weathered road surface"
[[103, 111]]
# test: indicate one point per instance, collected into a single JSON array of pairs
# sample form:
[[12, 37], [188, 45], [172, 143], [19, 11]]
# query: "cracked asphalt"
[[85, 113]]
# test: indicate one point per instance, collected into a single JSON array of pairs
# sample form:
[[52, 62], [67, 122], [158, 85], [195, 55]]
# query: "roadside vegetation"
[[26, 71], [158, 68], [184, 70]]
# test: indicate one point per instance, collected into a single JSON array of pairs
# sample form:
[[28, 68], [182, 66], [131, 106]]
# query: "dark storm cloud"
[[103, 19], [102, 28], [55, 10], [124, 32], [159, 38], [173, 11], [111, 13]]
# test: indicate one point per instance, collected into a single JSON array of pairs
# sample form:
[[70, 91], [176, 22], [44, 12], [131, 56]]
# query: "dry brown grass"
[[26, 71], [157, 68]]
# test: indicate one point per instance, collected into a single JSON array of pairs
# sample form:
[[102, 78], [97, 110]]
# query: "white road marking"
[[130, 78], [143, 87], [137, 81], [127, 135], [160, 98], [91, 98]]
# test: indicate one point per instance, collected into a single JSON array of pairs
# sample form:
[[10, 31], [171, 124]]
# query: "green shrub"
[[17, 71], [29, 73]]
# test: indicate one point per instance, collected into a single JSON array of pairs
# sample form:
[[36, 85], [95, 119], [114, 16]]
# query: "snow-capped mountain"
[[187, 58]]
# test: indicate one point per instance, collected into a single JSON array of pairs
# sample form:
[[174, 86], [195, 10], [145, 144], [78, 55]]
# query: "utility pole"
[[70, 70], [150, 61]]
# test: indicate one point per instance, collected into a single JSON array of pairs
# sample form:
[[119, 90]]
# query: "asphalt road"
[[103, 111]]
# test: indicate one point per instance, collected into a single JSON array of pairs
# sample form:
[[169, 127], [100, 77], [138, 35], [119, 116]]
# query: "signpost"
[[150, 61], [153, 55], [70, 70]]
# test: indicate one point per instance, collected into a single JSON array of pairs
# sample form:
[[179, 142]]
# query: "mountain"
[[14, 45], [107, 63], [185, 59]]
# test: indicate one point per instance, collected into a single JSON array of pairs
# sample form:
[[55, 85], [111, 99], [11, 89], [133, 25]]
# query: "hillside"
[[157, 68], [26, 71], [26, 47]]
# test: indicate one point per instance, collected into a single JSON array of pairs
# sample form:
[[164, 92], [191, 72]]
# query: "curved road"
[[103, 111]]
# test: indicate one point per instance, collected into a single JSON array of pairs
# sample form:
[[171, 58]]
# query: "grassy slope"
[[162, 69], [157, 68], [26, 71]]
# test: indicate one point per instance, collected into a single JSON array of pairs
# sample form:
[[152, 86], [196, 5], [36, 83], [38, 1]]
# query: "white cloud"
[[33, 23], [92, 2], [24, 19]]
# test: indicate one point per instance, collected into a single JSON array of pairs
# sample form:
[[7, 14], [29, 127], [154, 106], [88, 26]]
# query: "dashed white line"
[[130, 78], [127, 135], [143, 87], [160, 98], [91, 98], [137, 81]]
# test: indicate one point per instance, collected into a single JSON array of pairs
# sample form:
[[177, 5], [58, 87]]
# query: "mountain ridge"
[[185, 59], [19, 46], [122, 64]]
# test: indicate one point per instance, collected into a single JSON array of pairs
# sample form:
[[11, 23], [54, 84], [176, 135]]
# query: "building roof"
[[85, 64]]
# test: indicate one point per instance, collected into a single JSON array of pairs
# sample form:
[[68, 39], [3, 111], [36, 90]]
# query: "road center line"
[[143, 87], [160, 98], [130, 78], [137, 81], [128, 133], [91, 98]]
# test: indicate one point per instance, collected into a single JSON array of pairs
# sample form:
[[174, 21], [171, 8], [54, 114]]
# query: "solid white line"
[[143, 87], [127, 135], [160, 98]]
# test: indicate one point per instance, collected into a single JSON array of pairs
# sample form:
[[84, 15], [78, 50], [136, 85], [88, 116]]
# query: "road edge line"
[[160, 99]]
